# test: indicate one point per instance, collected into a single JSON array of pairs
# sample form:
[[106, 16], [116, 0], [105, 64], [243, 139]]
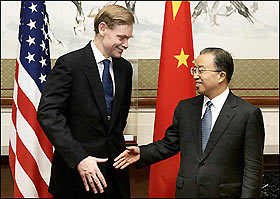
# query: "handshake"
[[91, 175]]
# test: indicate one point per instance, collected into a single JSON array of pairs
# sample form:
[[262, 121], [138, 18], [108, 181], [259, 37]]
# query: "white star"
[[31, 40], [43, 61], [45, 19], [33, 8], [43, 30], [30, 57], [31, 24], [20, 38], [44, 33], [47, 51], [42, 78], [43, 45]]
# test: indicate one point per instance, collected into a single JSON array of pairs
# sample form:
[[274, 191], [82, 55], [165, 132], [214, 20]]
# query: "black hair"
[[223, 60]]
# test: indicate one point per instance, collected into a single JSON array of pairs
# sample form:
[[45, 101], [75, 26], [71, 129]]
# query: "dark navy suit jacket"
[[73, 115]]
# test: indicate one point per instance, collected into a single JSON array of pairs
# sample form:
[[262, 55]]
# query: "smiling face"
[[209, 83], [115, 40]]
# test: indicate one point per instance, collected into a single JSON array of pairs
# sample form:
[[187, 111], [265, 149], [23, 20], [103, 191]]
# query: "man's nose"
[[196, 76], [125, 43]]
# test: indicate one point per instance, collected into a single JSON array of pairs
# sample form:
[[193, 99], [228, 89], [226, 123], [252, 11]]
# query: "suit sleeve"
[[164, 148], [52, 114], [253, 156]]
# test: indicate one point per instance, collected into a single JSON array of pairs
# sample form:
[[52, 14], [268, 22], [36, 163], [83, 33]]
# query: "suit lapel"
[[119, 89], [92, 74], [223, 120], [196, 113]]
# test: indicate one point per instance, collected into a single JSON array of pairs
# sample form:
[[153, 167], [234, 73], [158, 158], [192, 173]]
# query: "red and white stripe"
[[30, 150]]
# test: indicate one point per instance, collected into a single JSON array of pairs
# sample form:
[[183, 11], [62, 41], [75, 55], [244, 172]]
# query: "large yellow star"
[[182, 58]]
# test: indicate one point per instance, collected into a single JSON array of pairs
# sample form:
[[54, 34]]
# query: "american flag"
[[30, 152]]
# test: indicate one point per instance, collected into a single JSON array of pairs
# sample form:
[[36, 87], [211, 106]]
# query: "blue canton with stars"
[[34, 43]]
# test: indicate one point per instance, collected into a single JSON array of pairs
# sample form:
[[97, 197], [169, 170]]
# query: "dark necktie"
[[206, 125], [107, 86]]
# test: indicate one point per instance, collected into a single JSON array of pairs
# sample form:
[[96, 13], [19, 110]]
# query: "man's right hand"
[[129, 156], [91, 174]]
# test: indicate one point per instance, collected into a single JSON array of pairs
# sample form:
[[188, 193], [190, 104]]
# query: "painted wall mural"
[[248, 29]]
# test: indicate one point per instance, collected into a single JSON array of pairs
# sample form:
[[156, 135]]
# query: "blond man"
[[83, 111]]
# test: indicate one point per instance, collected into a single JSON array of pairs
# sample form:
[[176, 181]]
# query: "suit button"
[[201, 164], [108, 118]]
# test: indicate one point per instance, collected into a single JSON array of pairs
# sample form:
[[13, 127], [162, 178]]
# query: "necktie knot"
[[209, 104], [106, 63], [208, 108]]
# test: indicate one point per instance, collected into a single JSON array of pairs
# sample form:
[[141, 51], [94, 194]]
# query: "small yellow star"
[[182, 58]]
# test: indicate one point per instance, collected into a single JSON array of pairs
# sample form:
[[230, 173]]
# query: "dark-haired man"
[[220, 137]]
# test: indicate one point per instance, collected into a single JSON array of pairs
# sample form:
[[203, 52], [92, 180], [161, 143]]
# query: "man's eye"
[[121, 38]]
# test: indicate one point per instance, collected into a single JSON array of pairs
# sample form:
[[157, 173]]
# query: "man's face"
[[116, 39], [207, 82]]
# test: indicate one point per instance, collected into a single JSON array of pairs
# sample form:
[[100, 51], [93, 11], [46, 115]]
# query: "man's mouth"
[[197, 83], [121, 49]]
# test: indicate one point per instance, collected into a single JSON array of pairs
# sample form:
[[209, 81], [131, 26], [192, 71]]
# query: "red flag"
[[30, 152], [174, 84]]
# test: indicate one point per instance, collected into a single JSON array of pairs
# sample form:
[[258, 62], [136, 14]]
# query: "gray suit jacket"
[[231, 165]]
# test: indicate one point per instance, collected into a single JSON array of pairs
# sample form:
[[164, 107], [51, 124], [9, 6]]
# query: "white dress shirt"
[[99, 57], [218, 103]]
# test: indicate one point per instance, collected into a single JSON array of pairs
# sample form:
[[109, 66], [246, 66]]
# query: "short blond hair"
[[113, 15]]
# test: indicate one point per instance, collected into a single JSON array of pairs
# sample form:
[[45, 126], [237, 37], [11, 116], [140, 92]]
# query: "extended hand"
[[91, 174], [129, 156]]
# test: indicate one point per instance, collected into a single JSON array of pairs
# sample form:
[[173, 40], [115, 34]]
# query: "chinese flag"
[[174, 84]]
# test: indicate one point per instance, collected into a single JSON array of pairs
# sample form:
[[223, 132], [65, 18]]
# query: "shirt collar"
[[217, 101], [99, 57]]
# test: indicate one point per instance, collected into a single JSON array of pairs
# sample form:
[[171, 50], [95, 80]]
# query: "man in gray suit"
[[220, 137]]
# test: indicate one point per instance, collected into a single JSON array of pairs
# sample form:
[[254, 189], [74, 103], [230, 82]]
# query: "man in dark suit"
[[220, 137], [84, 108]]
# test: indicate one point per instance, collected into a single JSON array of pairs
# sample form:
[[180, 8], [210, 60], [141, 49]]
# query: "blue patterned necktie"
[[107, 86], [206, 125]]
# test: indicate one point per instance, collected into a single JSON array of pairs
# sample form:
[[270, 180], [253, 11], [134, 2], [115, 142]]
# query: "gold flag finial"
[[175, 7]]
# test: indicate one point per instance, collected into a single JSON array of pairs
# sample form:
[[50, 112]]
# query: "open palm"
[[129, 156]]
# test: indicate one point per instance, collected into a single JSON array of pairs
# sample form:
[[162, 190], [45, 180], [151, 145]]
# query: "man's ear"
[[102, 27], [223, 76]]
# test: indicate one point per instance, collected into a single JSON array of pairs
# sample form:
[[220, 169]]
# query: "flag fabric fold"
[[30, 152], [175, 83]]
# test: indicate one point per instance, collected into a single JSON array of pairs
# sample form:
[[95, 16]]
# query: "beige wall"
[[141, 124], [254, 74]]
